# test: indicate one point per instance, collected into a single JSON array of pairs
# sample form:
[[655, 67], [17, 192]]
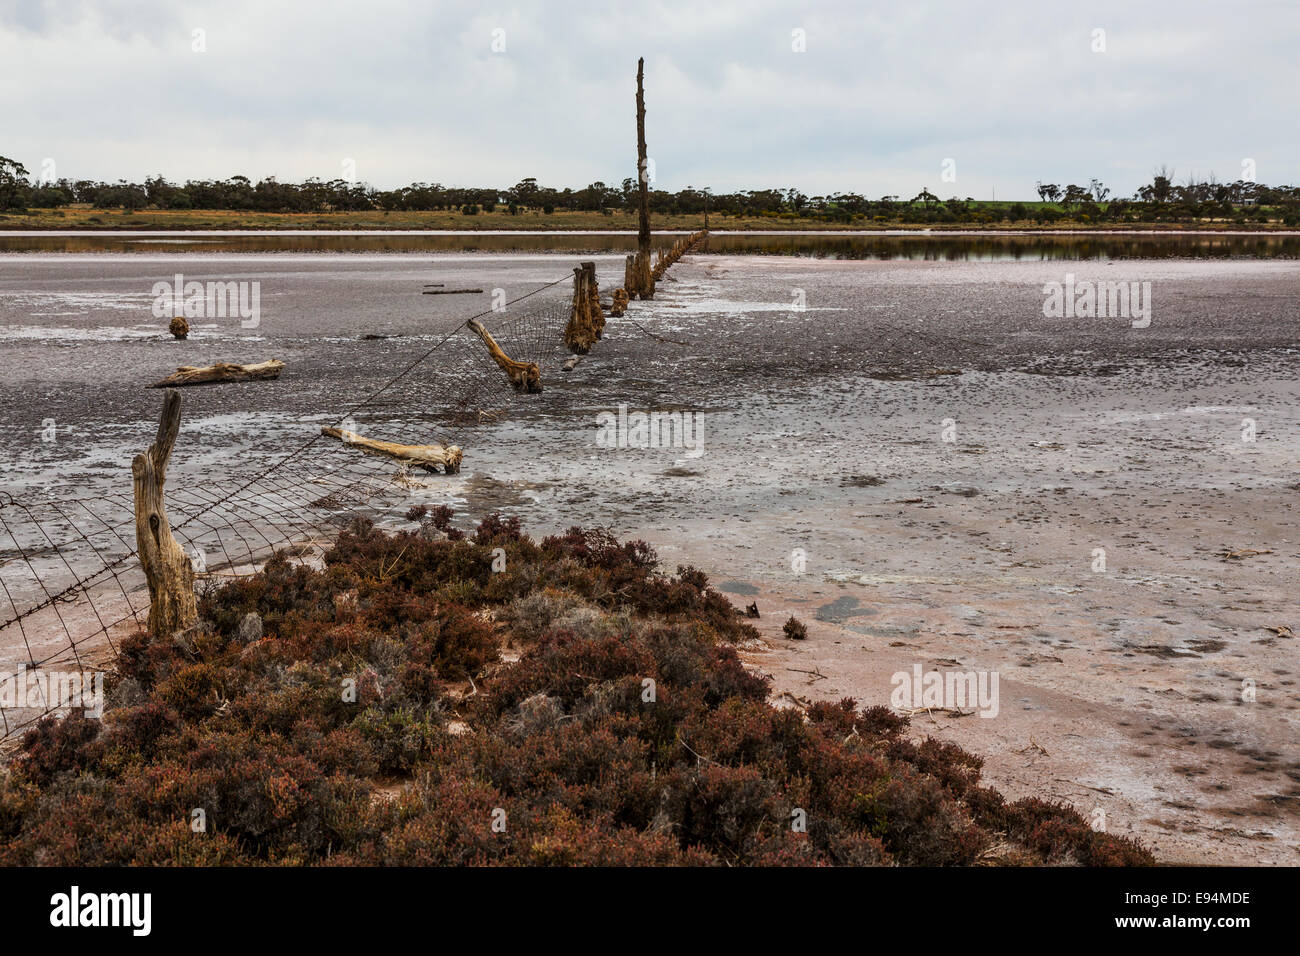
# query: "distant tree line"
[[1164, 200], [1161, 200]]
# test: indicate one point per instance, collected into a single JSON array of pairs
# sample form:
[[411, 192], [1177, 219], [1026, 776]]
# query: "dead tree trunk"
[[643, 169], [167, 568], [642, 284], [524, 376]]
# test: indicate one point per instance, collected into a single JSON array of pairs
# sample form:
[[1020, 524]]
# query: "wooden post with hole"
[[167, 568]]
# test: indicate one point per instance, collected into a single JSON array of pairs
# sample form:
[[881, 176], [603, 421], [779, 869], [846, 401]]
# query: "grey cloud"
[[885, 92]]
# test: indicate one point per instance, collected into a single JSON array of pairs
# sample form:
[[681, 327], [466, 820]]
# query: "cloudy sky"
[[879, 96]]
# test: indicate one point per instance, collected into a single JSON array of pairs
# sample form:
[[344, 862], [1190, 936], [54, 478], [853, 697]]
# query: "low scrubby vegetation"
[[407, 704]]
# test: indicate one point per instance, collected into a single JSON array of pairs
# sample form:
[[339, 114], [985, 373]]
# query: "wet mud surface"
[[917, 464]]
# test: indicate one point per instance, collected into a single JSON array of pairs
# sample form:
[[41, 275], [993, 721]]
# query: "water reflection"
[[933, 247]]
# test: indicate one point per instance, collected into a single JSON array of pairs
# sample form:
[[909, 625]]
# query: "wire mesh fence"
[[71, 585]]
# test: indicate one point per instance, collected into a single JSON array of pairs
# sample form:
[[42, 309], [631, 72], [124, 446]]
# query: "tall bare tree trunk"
[[643, 170], [167, 568], [645, 288]]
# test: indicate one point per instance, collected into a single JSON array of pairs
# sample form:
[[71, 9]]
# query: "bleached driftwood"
[[427, 457], [524, 376], [221, 372], [167, 568]]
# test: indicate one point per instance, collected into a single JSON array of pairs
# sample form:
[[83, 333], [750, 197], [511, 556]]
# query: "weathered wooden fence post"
[[586, 318], [575, 333], [642, 284], [167, 568], [593, 300], [619, 304]]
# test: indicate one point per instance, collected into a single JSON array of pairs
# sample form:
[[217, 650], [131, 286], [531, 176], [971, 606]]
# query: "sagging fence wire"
[[70, 580]]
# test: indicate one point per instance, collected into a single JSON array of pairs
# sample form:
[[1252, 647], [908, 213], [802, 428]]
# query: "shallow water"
[[934, 245]]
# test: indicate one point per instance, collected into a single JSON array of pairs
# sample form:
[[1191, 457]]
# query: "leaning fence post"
[[524, 376], [167, 568]]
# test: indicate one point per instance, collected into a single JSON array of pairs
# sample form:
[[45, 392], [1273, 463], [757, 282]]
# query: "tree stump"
[[167, 568]]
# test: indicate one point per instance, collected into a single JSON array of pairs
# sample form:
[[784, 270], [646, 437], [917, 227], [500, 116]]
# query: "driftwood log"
[[524, 376], [221, 372], [428, 457], [167, 568]]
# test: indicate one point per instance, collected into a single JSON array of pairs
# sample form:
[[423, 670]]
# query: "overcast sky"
[[880, 97]]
